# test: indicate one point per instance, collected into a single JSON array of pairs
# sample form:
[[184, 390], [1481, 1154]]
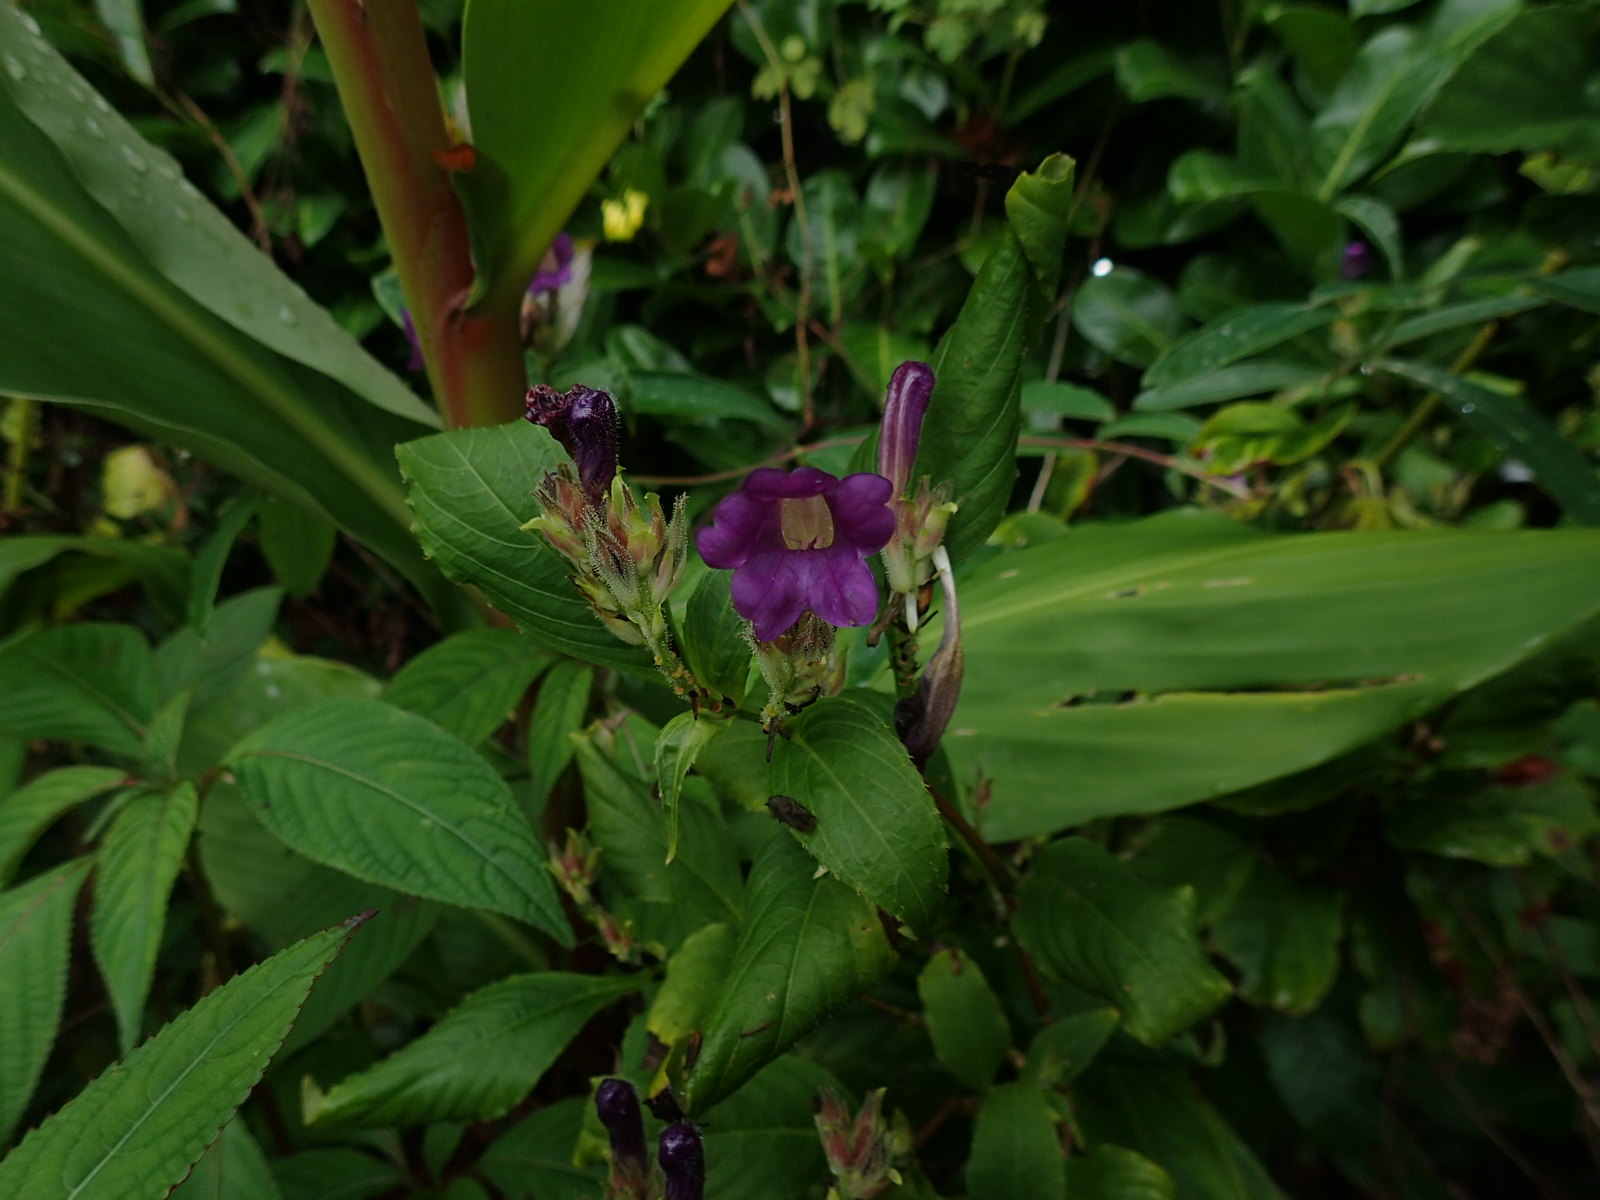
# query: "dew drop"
[[189, 189], [14, 67], [102, 103], [93, 128], [288, 316], [29, 23], [168, 169], [133, 158], [1469, 409], [184, 215]]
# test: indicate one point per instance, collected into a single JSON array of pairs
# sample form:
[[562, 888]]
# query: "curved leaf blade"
[[91, 683]]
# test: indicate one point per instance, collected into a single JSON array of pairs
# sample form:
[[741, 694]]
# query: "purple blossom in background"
[[796, 540], [1356, 260], [415, 362], [555, 268]]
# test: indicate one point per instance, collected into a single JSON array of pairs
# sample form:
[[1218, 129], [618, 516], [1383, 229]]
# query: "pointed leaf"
[[678, 745], [139, 861], [137, 1129], [1015, 1148], [469, 683], [1238, 335], [79, 683], [965, 1020], [391, 798], [35, 940], [558, 713], [480, 1059], [1116, 1173], [232, 1168], [810, 946], [29, 811]]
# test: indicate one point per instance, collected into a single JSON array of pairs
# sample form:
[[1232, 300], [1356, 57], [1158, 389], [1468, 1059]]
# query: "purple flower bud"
[[617, 1105], [555, 268], [1356, 260], [683, 1161], [796, 540], [903, 410], [584, 421]]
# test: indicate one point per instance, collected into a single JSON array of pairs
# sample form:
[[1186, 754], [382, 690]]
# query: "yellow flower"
[[621, 218]]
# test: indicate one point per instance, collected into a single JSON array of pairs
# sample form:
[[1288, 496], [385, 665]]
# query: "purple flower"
[[1356, 260], [797, 540], [555, 268], [683, 1161], [910, 387], [584, 421]]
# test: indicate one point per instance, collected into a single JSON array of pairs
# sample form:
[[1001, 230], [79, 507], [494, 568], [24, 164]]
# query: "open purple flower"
[[555, 268], [797, 540]]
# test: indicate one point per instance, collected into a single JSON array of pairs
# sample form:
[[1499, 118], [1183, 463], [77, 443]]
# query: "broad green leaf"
[[125, 23], [970, 436], [1580, 288], [1041, 398], [1284, 936], [471, 493], [1500, 826], [678, 745], [1063, 1049], [130, 296], [877, 827], [480, 1059], [205, 572], [1191, 658], [280, 896], [898, 201], [694, 978], [209, 664], [35, 943], [1215, 862], [1128, 315], [1320, 39], [389, 797], [79, 683], [297, 543], [1147, 70], [810, 946], [138, 864], [529, 175], [1372, 107], [469, 683], [338, 1174], [1088, 919], [163, 570], [29, 811], [1230, 383], [535, 1155], [965, 1020], [1038, 207], [1156, 1111], [1559, 466], [1457, 316], [1016, 1150], [698, 399], [558, 713], [669, 901], [232, 1168], [1235, 336], [762, 1140], [825, 247], [138, 1128], [1116, 1173], [713, 637], [1241, 435]]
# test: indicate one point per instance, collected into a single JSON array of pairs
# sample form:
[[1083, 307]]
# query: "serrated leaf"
[[136, 1130], [558, 713], [232, 1168], [1088, 919], [35, 940], [810, 946], [480, 1059], [79, 683], [469, 683], [29, 811], [471, 493], [1015, 1148], [391, 798], [965, 1020], [877, 827], [138, 864], [678, 745]]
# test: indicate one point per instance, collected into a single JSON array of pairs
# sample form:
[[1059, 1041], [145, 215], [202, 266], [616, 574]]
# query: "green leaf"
[[1230, 383], [1580, 288], [713, 637], [694, 977], [337, 1174], [825, 247], [1088, 919], [1117, 1173], [1379, 222], [209, 664], [810, 946], [1215, 862], [163, 570], [469, 683], [1284, 936], [482, 1057], [1163, 687], [1156, 1111], [535, 1155], [1016, 1150], [1559, 466], [29, 811], [391, 798], [297, 542], [965, 1020], [138, 864], [877, 827], [137, 1129], [557, 714], [1042, 398], [1038, 207], [898, 201], [1128, 315], [1063, 1049], [679, 744], [205, 573], [1500, 826], [1372, 107], [1320, 39], [969, 440], [698, 399], [668, 900], [470, 491], [125, 23], [1147, 70], [232, 1168], [1235, 336], [1455, 316], [35, 943], [530, 175], [762, 1140], [214, 348], [79, 683]]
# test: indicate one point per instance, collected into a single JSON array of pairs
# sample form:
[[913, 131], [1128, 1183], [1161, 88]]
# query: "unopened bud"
[[584, 421], [906, 404], [617, 1106], [683, 1161]]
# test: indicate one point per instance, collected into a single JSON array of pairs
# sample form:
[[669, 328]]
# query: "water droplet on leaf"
[[14, 67]]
